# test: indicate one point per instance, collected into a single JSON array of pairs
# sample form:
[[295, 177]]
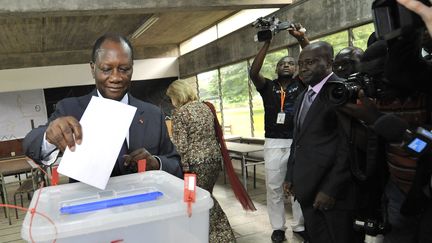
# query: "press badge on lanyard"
[[281, 115]]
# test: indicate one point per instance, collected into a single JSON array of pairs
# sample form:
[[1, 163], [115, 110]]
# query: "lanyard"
[[282, 97]]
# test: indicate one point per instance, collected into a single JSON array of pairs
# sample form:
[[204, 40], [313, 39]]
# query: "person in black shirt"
[[278, 97]]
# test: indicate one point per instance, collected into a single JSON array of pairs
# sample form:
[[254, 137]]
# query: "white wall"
[[79, 74], [17, 109]]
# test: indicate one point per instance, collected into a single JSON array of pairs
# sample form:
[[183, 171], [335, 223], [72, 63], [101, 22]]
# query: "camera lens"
[[341, 92], [337, 93]]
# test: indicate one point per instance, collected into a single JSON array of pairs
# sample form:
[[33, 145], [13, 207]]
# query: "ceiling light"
[[145, 26]]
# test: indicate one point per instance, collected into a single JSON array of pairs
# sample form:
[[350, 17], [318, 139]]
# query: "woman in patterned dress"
[[194, 135]]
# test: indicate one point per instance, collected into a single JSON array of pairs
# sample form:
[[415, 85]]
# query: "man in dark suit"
[[318, 171], [111, 67]]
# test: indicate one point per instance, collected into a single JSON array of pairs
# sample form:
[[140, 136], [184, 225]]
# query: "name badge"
[[280, 118]]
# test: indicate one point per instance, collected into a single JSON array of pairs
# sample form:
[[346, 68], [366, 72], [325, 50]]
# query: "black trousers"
[[425, 231], [331, 226]]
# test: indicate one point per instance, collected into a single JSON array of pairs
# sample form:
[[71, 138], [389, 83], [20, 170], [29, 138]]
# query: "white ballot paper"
[[105, 124]]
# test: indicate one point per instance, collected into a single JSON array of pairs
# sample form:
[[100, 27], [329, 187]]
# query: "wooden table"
[[9, 167], [243, 149]]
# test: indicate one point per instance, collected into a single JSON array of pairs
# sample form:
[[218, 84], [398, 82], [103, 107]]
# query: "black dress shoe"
[[278, 236]]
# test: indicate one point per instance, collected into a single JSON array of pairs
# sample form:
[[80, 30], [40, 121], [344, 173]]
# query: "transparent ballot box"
[[141, 207]]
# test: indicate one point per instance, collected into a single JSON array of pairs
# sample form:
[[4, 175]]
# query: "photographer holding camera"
[[278, 97], [407, 70], [408, 191], [408, 203]]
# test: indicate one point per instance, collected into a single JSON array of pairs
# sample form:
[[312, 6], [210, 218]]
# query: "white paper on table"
[[105, 124]]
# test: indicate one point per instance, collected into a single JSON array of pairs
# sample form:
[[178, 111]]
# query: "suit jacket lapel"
[[83, 102], [313, 111], [297, 110], [137, 122]]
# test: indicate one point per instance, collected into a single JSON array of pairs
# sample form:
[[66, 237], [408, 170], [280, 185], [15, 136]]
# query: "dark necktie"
[[307, 101], [118, 167]]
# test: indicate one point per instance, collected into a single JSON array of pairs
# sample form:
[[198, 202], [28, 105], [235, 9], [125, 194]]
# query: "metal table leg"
[[6, 200], [244, 174]]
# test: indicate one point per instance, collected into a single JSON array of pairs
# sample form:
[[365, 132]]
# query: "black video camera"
[[392, 19], [341, 92], [269, 27]]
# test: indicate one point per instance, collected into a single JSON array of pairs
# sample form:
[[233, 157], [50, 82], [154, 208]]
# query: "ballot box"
[[141, 207]]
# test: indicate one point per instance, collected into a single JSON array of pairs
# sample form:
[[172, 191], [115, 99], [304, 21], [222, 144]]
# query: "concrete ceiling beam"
[[39, 59], [19, 8]]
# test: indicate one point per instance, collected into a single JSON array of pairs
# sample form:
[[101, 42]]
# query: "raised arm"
[[254, 73], [300, 35]]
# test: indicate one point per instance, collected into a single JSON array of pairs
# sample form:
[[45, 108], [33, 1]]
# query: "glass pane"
[[338, 41], [361, 35], [258, 114], [208, 90], [269, 71], [234, 80]]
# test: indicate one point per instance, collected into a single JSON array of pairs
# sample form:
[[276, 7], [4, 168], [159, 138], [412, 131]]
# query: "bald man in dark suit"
[[318, 171]]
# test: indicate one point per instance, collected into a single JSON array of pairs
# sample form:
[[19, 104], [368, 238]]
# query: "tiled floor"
[[249, 227], [11, 233]]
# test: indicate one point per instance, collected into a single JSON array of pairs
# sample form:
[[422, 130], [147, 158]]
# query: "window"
[[258, 113], [208, 90], [235, 93], [361, 35], [338, 41]]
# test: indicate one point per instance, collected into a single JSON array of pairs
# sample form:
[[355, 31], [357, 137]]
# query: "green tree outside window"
[[338, 41], [235, 93], [208, 89], [361, 35]]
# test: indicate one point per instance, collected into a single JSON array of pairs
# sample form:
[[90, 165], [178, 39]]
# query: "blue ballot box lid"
[[135, 199]]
